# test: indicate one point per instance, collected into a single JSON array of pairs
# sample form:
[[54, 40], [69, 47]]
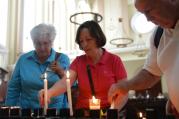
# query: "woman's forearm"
[[58, 88]]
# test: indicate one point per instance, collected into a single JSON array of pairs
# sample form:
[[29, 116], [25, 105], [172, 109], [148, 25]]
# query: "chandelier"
[[84, 13], [80, 17], [121, 42]]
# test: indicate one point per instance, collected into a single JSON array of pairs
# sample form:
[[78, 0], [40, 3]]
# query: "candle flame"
[[68, 74], [140, 114], [45, 75], [95, 101]]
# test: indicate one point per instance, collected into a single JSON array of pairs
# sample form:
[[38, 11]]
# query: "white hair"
[[43, 31]]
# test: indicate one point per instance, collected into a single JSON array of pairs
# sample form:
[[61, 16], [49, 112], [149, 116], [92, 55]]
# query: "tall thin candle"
[[69, 93], [45, 93]]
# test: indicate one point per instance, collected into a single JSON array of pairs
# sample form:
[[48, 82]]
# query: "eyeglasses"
[[42, 44]]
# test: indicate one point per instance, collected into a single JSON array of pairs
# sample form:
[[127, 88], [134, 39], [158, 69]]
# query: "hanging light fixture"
[[121, 42], [80, 17], [84, 14]]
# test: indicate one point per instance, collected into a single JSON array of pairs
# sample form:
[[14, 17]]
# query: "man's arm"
[[143, 80]]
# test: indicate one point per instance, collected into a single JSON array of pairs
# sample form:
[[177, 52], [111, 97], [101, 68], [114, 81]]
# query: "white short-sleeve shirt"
[[164, 60]]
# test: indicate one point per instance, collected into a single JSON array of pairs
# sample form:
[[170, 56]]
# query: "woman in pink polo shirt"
[[105, 69]]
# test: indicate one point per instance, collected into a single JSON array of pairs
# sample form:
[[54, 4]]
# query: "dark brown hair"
[[95, 31]]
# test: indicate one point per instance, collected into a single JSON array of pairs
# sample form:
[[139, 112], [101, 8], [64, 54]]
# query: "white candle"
[[69, 93], [45, 93]]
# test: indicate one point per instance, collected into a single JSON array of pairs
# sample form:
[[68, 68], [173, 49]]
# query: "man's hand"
[[118, 89]]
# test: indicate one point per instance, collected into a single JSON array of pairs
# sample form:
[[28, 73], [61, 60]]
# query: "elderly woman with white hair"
[[26, 80]]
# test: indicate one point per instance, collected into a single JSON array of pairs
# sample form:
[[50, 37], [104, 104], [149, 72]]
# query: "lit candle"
[[113, 102], [140, 115], [112, 105], [94, 103], [45, 93], [69, 93]]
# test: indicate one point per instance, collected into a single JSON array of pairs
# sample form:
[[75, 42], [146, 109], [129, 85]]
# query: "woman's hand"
[[57, 69], [41, 97]]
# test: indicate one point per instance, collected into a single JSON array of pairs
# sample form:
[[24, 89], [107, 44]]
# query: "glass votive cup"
[[26, 112], [15, 111], [94, 104], [4, 111], [51, 112], [94, 113], [112, 114], [65, 112]]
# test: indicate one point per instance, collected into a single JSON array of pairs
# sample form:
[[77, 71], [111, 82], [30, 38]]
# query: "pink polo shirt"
[[107, 71]]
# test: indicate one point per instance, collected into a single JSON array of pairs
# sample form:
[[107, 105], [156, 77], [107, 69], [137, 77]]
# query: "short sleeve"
[[151, 61], [119, 69]]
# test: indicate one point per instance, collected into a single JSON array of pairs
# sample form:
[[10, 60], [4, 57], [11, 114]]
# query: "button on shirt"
[[25, 83], [107, 71]]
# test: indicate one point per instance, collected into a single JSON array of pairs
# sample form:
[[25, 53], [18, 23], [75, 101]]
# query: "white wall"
[[133, 65]]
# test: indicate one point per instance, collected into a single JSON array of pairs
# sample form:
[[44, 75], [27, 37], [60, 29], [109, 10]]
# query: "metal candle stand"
[[170, 116], [38, 112], [94, 113], [51, 112], [16, 112], [64, 112], [4, 111], [151, 108], [26, 112], [79, 113], [112, 114]]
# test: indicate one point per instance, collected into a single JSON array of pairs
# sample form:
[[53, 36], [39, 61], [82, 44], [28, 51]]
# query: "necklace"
[[47, 70], [42, 76]]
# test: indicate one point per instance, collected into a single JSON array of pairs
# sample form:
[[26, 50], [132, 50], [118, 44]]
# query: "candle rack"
[[53, 113], [112, 114], [26, 112]]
